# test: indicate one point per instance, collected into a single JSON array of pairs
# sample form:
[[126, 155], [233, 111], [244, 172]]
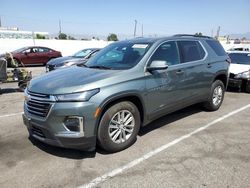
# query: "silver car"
[[78, 58]]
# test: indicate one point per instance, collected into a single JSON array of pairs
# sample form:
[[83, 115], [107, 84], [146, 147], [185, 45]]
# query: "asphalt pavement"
[[188, 148]]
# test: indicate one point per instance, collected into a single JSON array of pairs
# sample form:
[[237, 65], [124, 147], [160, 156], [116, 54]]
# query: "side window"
[[167, 52], [216, 46], [40, 50], [27, 50], [34, 50], [44, 50], [190, 51]]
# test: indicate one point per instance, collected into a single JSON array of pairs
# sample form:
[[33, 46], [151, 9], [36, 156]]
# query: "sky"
[[101, 17]]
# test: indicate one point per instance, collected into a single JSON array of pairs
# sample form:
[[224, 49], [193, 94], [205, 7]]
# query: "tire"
[[115, 135], [216, 96]]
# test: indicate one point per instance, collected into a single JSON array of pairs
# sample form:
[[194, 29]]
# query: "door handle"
[[209, 65], [179, 71]]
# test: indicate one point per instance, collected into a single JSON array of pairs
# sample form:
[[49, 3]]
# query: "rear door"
[[42, 55], [194, 64]]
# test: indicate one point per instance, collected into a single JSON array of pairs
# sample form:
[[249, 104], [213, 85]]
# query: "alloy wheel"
[[121, 126], [217, 95]]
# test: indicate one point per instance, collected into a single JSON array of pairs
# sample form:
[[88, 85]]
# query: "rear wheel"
[[216, 96], [119, 127]]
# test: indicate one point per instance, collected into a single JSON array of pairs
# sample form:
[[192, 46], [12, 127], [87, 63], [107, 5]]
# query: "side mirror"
[[157, 65]]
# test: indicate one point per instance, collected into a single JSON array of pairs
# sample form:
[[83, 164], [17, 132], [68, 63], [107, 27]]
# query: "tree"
[[198, 34], [112, 37], [71, 38], [62, 36], [39, 36]]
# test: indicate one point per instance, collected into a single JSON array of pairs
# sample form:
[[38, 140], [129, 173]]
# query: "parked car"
[[34, 55], [128, 84], [240, 70], [79, 57]]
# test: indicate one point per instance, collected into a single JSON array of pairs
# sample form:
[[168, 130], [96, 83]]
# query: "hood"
[[238, 68], [70, 80], [60, 60]]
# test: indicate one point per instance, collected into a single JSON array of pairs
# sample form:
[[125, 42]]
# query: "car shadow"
[[172, 117], [62, 152], [9, 90], [77, 154]]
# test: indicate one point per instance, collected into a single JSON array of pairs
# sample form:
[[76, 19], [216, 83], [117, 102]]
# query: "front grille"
[[38, 104], [37, 131], [51, 67]]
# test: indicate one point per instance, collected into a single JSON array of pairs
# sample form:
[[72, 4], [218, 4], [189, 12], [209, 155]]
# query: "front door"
[[163, 86]]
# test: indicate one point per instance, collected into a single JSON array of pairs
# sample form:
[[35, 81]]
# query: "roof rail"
[[188, 35]]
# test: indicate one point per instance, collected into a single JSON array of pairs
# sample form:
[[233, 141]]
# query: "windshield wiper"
[[99, 67]]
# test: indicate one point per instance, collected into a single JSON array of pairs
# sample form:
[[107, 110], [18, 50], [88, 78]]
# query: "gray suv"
[[128, 84]]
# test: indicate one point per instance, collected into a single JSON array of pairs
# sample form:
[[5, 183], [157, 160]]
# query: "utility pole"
[[135, 28], [218, 33], [212, 33], [60, 28], [0, 21], [142, 30]]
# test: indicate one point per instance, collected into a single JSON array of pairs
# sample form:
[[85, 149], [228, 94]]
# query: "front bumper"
[[235, 83], [240, 84], [52, 130], [50, 67]]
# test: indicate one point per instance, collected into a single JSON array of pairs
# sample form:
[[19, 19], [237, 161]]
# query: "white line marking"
[[9, 115], [152, 153]]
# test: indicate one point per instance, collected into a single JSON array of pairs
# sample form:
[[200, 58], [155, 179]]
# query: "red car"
[[34, 55]]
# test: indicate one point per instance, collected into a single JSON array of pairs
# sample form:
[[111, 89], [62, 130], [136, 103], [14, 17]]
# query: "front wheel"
[[119, 127], [216, 96]]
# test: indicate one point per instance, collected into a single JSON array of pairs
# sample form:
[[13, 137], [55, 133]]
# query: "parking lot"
[[188, 148]]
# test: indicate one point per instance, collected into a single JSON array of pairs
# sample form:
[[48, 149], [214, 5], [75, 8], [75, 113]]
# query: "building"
[[15, 33]]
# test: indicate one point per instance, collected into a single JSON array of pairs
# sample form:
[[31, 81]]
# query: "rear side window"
[[190, 51], [238, 58], [216, 46]]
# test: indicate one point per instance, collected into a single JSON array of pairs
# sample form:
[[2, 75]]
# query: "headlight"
[[74, 97], [244, 75]]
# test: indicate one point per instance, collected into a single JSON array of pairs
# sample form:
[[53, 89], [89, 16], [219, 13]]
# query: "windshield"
[[240, 58], [20, 50], [119, 56], [82, 53]]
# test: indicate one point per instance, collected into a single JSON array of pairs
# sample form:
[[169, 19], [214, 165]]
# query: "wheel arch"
[[222, 77], [131, 97]]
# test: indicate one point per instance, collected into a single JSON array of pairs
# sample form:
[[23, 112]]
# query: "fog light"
[[73, 123]]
